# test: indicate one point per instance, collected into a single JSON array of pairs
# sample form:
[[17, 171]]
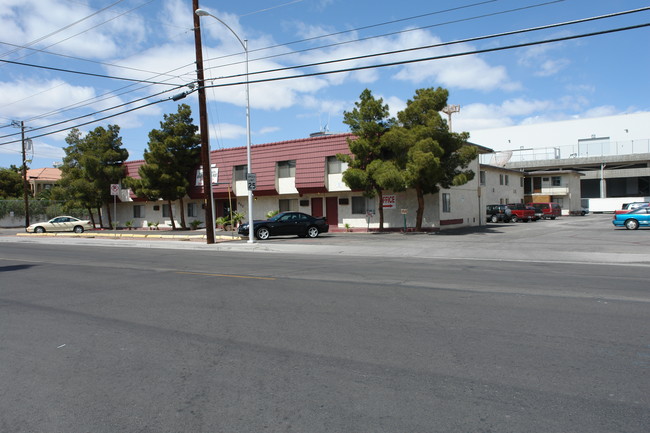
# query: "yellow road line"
[[225, 275]]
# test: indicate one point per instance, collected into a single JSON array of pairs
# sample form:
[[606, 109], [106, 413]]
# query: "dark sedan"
[[287, 223]]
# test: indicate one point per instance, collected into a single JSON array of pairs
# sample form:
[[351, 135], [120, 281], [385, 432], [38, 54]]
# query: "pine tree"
[[173, 154], [370, 167], [430, 156]]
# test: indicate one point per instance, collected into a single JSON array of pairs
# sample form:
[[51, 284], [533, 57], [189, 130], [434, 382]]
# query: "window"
[[192, 210], [446, 202], [288, 205], [501, 179], [165, 211], [335, 166], [507, 179], [287, 169], [482, 177], [556, 180], [359, 205], [240, 172], [138, 211]]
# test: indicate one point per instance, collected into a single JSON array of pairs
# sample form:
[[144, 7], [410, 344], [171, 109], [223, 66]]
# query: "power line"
[[95, 112], [35, 41], [440, 57], [91, 74], [285, 44], [461, 41], [161, 74], [90, 121], [358, 68], [81, 59]]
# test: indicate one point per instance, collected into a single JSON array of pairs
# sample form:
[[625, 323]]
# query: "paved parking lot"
[[591, 238]]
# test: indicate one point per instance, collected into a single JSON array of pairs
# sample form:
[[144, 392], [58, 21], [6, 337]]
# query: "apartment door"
[[317, 206], [332, 211]]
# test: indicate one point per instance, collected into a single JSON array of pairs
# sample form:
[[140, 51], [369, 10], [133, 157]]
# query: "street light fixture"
[[250, 176], [449, 110]]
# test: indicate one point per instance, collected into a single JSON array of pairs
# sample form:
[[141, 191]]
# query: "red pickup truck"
[[628, 207], [520, 212]]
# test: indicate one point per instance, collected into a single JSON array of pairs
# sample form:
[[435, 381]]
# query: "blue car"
[[633, 220]]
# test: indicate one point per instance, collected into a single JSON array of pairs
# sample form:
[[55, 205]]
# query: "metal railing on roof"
[[578, 150]]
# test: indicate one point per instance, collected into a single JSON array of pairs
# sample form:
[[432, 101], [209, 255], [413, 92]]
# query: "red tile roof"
[[310, 155], [51, 174]]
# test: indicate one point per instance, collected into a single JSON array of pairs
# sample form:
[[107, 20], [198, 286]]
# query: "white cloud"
[[228, 131], [62, 27], [27, 98], [268, 130], [464, 72], [395, 105], [602, 111], [508, 113], [540, 58]]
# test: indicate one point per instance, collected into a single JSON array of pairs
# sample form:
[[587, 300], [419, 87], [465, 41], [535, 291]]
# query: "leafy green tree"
[[172, 156], [11, 182], [371, 168], [103, 162], [92, 163], [75, 186], [429, 155]]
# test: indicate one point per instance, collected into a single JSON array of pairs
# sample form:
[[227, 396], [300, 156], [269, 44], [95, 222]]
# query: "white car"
[[61, 224]]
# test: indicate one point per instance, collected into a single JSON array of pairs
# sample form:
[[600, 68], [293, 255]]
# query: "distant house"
[[304, 175], [41, 179], [559, 186]]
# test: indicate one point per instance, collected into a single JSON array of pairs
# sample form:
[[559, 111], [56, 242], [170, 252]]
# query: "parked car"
[[61, 224], [520, 212], [496, 213], [539, 214], [634, 219], [628, 207], [551, 210], [287, 223]]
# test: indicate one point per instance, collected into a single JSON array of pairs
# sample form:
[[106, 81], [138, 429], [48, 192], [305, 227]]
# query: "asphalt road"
[[509, 328]]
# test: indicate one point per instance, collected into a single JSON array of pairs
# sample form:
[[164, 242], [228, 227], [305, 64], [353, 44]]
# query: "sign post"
[[404, 212], [115, 191]]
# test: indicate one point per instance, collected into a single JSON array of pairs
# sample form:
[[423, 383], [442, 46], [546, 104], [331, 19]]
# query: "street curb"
[[90, 235]]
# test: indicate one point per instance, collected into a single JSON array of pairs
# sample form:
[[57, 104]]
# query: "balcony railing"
[[579, 150]]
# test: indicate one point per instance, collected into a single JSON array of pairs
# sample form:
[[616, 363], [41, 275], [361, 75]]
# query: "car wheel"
[[78, 229], [312, 232], [495, 219], [262, 233], [552, 218], [39, 230], [631, 224], [513, 218]]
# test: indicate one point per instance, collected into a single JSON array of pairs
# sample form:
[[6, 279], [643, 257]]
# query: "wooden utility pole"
[[203, 125]]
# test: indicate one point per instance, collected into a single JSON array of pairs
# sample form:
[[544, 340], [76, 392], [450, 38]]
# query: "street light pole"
[[203, 13], [203, 125]]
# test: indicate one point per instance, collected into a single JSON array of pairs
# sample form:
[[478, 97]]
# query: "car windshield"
[[276, 217], [641, 210]]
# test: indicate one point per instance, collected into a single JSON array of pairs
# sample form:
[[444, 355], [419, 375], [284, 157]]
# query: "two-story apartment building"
[[305, 175], [500, 185]]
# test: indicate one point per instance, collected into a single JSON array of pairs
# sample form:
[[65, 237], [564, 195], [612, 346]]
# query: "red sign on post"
[[115, 189], [389, 202]]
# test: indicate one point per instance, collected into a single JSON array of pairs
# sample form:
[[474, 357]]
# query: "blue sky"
[[152, 40]]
